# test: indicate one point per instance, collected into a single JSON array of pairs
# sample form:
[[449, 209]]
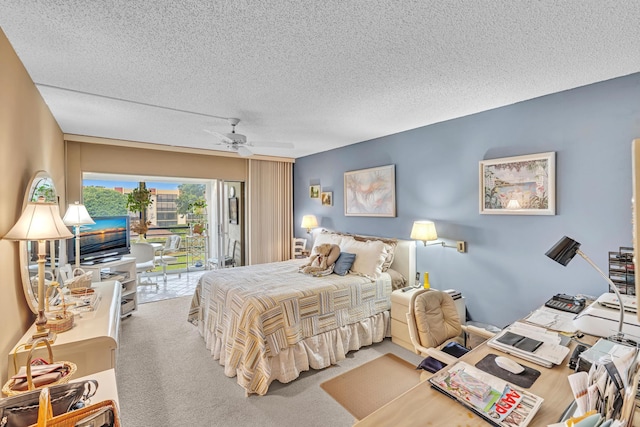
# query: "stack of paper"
[[550, 352], [555, 320]]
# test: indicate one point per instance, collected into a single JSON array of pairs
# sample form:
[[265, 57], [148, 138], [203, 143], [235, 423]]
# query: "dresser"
[[91, 344]]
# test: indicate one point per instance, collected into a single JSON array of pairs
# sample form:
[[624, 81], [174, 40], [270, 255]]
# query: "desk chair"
[[144, 253], [433, 323], [167, 257]]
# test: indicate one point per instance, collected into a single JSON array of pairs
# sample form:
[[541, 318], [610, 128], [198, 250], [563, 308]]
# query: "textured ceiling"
[[318, 74]]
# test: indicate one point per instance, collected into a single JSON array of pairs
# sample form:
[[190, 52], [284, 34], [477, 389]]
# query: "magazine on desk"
[[495, 400]]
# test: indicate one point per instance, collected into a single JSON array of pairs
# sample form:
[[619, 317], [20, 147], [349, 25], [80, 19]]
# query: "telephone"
[[566, 302], [575, 362]]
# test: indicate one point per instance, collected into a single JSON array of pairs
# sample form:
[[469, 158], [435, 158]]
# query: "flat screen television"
[[108, 238]]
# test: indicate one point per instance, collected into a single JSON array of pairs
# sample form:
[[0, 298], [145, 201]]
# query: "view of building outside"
[[171, 202]]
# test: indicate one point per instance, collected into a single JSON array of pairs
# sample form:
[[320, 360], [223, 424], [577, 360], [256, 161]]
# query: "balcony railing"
[[188, 257]]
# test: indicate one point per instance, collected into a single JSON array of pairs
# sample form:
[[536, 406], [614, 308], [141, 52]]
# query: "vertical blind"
[[269, 211]]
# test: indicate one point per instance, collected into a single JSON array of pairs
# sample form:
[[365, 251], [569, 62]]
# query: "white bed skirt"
[[316, 352]]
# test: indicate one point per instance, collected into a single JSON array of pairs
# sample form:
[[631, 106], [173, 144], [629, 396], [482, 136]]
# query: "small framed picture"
[[327, 198], [314, 191]]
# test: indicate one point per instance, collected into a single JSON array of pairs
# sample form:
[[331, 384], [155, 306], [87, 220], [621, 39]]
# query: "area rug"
[[368, 387]]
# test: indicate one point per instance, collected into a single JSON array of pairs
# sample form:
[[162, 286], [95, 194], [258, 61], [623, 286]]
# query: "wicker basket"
[[70, 419], [61, 323], [79, 279], [60, 320], [70, 367]]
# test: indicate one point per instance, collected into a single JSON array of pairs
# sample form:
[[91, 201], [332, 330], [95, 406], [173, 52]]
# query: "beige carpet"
[[166, 377], [370, 386]]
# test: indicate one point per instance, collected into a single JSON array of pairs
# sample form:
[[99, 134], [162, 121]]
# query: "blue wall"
[[505, 274]]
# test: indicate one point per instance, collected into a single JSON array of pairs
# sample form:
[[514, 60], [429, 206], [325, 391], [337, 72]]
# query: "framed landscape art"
[[370, 192], [521, 185]]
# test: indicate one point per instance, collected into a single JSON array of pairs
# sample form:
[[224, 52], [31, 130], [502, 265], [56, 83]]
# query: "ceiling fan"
[[238, 142]]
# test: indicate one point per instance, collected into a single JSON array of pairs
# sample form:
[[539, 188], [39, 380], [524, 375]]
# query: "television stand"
[[125, 267]]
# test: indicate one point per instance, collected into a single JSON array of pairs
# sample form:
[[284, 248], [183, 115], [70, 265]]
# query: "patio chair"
[[167, 254], [144, 253]]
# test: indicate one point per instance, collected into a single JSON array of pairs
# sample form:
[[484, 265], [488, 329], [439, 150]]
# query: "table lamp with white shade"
[[77, 216], [40, 221]]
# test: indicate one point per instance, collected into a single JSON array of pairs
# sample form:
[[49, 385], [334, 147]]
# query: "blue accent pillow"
[[344, 263]]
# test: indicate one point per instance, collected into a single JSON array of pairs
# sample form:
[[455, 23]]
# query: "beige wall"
[[30, 140], [92, 157]]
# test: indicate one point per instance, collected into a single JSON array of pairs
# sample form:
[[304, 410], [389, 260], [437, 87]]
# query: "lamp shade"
[[424, 230], [39, 221], [563, 251], [77, 215], [309, 221]]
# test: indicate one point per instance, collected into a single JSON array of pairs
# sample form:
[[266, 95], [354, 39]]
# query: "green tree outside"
[[189, 193], [102, 201]]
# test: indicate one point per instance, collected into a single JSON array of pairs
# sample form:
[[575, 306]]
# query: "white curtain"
[[269, 211]]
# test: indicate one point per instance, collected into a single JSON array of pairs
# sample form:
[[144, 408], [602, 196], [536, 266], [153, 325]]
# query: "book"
[[495, 400]]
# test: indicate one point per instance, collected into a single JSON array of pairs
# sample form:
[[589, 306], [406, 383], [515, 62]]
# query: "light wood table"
[[425, 406]]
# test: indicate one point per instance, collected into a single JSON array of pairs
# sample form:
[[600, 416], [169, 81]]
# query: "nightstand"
[[399, 309]]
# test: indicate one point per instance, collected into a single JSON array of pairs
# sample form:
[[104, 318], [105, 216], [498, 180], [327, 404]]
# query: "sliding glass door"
[[229, 223]]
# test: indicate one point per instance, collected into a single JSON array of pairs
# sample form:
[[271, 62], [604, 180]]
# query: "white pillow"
[[370, 256], [331, 238]]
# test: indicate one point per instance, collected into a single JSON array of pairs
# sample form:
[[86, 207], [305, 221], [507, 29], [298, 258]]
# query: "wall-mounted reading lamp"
[[563, 252], [309, 222], [426, 231]]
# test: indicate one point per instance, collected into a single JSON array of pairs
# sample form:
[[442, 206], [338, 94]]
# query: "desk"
[[423, 405]]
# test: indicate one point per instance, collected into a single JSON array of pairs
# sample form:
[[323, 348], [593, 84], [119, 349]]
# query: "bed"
[[270, 322]]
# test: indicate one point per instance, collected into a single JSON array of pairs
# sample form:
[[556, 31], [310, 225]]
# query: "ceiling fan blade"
[[272, 144], [220, 136], [244, 151]]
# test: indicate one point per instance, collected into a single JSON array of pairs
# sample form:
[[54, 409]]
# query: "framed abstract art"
[[370, 192]]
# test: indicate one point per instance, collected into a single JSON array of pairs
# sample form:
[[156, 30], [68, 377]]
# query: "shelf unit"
[[622, 270], [124, 271], [196, 251], [197, 241]]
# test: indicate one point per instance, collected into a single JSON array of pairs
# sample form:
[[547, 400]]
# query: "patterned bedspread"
[[248, 314]]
